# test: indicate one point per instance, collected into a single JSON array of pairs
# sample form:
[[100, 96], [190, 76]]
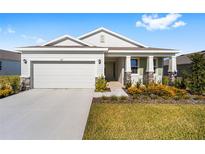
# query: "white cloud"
[[40, 40], [154, 22], [37, 40], [10, 30], [28, 37], [179, 24]]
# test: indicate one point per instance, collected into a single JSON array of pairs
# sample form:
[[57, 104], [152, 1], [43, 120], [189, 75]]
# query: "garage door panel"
[[64, 75]]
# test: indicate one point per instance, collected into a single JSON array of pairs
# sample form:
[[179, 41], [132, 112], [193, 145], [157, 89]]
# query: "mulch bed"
[[146, 99]]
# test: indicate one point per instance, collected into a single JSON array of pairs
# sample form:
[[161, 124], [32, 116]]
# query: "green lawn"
[[145, 121]]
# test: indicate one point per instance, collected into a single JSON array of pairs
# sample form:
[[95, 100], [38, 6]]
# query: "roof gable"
[[66, 40], [112, 39]]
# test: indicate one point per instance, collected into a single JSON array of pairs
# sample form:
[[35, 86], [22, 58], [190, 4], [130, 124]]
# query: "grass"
[[145, 121]]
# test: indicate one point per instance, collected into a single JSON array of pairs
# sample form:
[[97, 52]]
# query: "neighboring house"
[[68, 62], [183, 64], [10, 63]]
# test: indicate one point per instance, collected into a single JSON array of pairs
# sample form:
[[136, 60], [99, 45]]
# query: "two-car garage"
[[63, 74]]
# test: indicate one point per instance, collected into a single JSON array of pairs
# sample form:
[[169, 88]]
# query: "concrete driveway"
[[45, 114]]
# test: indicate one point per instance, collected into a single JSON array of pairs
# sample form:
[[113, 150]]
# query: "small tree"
[[197, 76]]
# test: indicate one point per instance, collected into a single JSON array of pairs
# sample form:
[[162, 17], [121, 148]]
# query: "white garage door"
[[76, 74]]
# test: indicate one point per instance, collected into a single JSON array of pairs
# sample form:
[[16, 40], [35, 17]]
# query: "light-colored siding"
[[10, 67], [99, 68], [109, 40]]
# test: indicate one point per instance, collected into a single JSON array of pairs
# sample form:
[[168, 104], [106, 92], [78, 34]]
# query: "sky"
[[185, 32]]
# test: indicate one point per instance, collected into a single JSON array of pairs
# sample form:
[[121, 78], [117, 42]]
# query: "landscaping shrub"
[[199, 97], [105, 98], [154, 90], [165, 80], [180, 83], [123, 98], [134, 90], [136, 96], [113, 98], [180, 92], [138, 84], [14, 81], [5, 92], [160, 90], [128, 84], [9, 85], [101, 84]]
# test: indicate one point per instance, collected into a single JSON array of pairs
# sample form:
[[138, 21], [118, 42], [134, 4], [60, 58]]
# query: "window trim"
[[138, 61]]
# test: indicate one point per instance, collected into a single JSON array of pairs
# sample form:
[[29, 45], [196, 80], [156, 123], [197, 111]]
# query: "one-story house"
[[10, 63], [68, 62], [183, 64]]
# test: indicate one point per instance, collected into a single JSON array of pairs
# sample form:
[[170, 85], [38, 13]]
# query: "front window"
[[134, 65]]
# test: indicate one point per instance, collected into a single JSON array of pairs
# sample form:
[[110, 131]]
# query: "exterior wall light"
[[25, 61], [99, 61]]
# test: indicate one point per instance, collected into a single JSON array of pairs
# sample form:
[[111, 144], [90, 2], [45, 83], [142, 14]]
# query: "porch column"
[[128, 70], [150, 70], [172, 71]]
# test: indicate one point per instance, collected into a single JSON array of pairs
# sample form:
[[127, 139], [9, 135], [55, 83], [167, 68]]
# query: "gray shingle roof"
[[183, 59], [111, 48], [9, 55]]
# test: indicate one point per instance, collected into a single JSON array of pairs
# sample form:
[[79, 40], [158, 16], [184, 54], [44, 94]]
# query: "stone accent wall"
[[172, 77], [25, 83], [149, 77], [127, 77]]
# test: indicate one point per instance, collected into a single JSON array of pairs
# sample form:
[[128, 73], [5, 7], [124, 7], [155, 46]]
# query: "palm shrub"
[[101, 84], [197, 77]]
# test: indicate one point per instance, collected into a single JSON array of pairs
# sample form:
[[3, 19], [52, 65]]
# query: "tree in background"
[[197, 76]]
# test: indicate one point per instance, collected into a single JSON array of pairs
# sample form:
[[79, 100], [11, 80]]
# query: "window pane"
[[134, 63], [134, 69]]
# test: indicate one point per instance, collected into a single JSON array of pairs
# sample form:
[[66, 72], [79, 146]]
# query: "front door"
[[110, 71]]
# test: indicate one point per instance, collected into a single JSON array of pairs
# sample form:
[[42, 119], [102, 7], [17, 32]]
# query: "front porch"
[[137, 69]]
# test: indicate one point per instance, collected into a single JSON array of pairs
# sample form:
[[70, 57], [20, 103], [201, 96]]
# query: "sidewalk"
[[116, 90]]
